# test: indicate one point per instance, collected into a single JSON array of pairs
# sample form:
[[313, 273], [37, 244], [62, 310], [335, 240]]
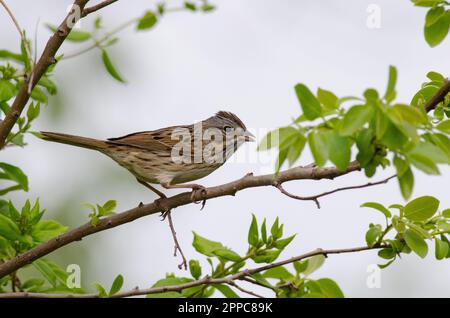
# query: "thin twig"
[[234, 284], [97, 7], [21, 32], [13, 18], [177, 244], [317, 196], [250, 280], [203, 281], [98, 42]]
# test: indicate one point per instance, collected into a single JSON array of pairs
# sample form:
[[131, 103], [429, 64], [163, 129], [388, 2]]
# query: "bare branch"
[[249, 292], [177, 244], [13, 18], [317, 196], [164, 204], [230, 280], [439, 96], [97, 7]]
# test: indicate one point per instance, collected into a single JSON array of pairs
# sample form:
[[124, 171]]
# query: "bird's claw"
[[165, 211], [199, 191]]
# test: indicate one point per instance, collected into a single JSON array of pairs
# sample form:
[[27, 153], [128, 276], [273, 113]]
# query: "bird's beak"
[[249, 136]]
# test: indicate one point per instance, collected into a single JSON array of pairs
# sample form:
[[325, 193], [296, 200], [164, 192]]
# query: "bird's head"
[[230, 126]]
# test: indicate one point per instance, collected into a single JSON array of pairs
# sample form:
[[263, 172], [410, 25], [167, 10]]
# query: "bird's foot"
[[164, 209], [199, 191]]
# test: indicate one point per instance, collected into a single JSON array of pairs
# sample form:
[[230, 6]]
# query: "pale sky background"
[[245, 57]]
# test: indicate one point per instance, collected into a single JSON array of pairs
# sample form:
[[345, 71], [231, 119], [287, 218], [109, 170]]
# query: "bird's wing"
[[160, 139]]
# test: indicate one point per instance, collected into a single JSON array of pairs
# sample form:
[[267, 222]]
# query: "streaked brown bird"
[[170, 156]]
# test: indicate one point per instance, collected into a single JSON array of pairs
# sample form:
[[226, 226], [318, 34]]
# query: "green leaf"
[[296, 149], [355, 119], [266, 256], [281, 244], [49, 85], [9, 229], [51, 271], [74, 35], [400, 114], [314, 263], [147, 21], [318, 144], [277, 137], [264, 231], [327, 99], [33, 111], [434, 15], [436, 77], [387, 264], [169, 281], [253, 236], [7, 90], [444, 126], [426, 3], [32, 283], [446, 213], [116, 285], [276, 230], [393, 137], [416, 243], [400, 165], [110, 67], [329, 288], [372, 234], [8, 55], [226, 291], [300, 266], [278, 273], [371, 95], [339, 150], [195, 268], [406, 183], [366, 148], [211, 248], [101, 290], [14, 173], [430, 151], [379, 207], [387, 253], [390, 90], [46, 230], [421, 209], [310, 105], [441, 248], [436, 32], [108, 208], [424, 163], [38, 94], [190, 6]]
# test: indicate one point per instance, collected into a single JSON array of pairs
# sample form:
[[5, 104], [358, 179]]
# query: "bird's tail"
[[77, 141]]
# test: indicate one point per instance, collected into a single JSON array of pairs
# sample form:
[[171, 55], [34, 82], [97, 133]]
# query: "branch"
[[317, 196], [165, 204], [230, 280], [439, 96], [13, 18], [177, 244], [47, 58], [97, 7]]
